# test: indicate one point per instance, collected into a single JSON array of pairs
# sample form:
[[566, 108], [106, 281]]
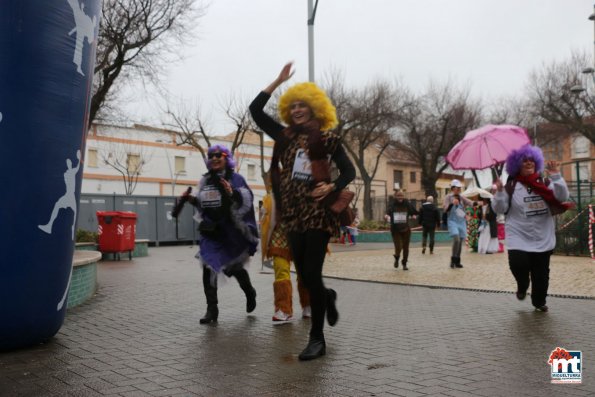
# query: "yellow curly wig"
[[320, 104]]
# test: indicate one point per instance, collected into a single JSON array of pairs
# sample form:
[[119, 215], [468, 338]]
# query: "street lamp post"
[[311, 15], [592, 18]]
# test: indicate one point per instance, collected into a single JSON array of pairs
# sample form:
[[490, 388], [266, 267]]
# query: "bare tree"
[[433, 124], [129, 160], [189, 124], [238, 113], [368, 118], [556, 94], [192, 129], [511, 110], [136, 39]]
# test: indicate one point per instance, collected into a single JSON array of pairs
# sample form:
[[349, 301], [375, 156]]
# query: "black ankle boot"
[[246, 285], [405, 265], [316, 348], [332, 315], [453, 262], [211, 315], [250, 300], [458, 262], [396, 262]]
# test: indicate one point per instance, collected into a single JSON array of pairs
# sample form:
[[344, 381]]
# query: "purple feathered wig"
[[231, 164], [514, 161]]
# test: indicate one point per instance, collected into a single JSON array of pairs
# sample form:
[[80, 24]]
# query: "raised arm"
[[284, 75], [263, 120]]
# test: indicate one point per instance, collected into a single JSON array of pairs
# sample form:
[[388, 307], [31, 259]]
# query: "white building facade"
[[166, 168]]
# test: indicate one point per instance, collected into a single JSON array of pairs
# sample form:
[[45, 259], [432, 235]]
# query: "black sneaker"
[[521, 295], [542, 309]]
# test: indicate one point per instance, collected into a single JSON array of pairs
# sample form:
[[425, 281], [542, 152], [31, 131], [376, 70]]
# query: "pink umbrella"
[[486, 147]]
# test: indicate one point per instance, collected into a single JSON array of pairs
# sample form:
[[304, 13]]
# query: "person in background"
[[353, 230], [529, 201], [454, 207], [398, 213], [501, 219], [227, 226], [276, 247], [474, 217], [429, 219], [487, 243], [345, 236], [301, 182]]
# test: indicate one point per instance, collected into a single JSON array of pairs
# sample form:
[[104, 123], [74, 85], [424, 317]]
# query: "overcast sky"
[[490, 45]]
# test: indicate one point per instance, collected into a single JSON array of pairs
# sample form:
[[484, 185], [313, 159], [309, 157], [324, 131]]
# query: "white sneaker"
[[281, 316], [307, 313]]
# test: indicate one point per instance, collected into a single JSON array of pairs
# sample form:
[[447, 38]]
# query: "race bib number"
[[399, 217], [302, 167], [210, 197], [534, 206]]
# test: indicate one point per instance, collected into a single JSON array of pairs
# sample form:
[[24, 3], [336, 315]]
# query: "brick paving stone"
[[140, 336]]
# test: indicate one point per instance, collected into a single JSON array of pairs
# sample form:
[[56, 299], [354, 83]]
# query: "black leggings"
[[308, 250], [533, 265]]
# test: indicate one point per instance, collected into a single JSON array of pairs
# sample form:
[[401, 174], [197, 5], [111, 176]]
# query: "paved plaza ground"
[[140, 336]]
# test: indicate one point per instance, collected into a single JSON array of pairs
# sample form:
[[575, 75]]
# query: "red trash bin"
[[116, 231]]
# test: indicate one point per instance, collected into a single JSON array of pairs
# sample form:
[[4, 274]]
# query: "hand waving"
[[286, 73], [552, 167]]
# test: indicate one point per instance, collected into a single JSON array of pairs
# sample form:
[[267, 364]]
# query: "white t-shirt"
[[529, 224]]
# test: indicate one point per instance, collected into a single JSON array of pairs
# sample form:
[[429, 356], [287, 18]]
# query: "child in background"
[[353, 231]]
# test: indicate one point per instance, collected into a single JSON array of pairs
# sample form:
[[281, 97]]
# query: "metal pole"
[[578, 207], [311, 17], [310, 41], [578, 186], [593, 15]]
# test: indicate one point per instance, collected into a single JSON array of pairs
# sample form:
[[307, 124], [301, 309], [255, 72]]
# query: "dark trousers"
[[308, 250], [401, 241], [209, 282], [534, 266], [428, 231]]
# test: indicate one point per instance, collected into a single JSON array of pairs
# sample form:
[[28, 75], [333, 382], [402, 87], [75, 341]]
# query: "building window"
[[251, 172], [133, 163], [413, 177], [397, 179], [553, 151], [580, 146], [180, 164], [91, 158]]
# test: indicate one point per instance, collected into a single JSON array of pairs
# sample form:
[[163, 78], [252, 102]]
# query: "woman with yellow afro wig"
[[321, 106], [301, 180]]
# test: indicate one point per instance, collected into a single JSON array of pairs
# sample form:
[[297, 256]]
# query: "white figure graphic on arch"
[[85, 29], [69, 198]]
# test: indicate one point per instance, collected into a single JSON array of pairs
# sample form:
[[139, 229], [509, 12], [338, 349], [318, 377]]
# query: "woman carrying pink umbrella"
[[529, 201]]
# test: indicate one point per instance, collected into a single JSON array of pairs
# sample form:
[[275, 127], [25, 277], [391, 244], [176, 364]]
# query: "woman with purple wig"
[[228, 235], [529, 201]]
